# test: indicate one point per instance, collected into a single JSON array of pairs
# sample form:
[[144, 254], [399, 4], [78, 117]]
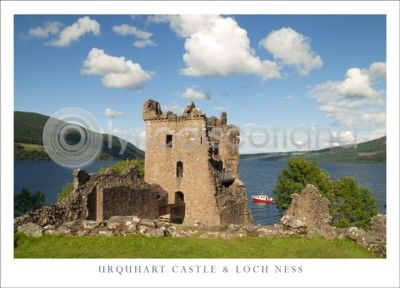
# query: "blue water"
[[258, 176], [47, 176], [261, 176]]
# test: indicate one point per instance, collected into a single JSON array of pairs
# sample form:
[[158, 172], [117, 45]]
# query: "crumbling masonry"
[[196, 160]]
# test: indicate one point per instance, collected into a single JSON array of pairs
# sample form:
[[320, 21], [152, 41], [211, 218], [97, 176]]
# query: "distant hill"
[[371, 151], [28, 144]]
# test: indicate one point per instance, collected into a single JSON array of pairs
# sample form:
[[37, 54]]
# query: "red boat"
[[262, 199]]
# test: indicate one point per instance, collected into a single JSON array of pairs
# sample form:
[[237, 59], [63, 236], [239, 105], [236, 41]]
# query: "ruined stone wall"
[[100, 196], [229, 149], [225, 140], [125, 201], [189, 146]]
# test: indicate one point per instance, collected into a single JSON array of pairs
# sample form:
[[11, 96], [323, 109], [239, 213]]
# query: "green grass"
[[120, 166], [32, 147], [168, 247], [65, 191]]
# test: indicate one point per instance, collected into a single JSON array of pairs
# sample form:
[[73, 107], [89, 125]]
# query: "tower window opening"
[[179, 169], [168, 141], [215, 149]]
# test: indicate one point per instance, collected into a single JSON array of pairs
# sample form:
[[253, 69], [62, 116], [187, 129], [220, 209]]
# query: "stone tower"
[[196, 160]]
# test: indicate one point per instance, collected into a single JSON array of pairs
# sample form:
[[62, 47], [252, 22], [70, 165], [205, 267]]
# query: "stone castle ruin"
[[196, 160], [191, 175]]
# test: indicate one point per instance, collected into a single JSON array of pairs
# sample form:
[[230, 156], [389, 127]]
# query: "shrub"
[[25, 201], [120, 166], [65, 192], [294, 178], [350, 205]]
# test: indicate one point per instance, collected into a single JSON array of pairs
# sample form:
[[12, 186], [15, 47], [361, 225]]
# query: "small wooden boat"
[[262, 199]]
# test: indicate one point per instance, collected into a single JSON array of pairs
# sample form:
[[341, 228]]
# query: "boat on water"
[[262, 199]]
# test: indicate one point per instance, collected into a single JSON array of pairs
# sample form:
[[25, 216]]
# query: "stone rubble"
[[297, 221]]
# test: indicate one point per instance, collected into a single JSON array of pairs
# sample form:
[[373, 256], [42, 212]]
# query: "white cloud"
[[356, 85], [377, 119], [191, 93], [218, 46], [117, 72], [292, 48], [47, 29], [377, 70], [69, 34], [126, 30], [112, 113], [185, 25], [144, 37], [356, 100], [143, 43]]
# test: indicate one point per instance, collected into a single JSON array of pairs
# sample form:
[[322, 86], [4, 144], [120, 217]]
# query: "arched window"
[[179, 169], [179, 198]]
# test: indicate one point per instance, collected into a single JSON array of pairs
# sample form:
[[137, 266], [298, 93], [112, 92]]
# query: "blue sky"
[[268, 72]]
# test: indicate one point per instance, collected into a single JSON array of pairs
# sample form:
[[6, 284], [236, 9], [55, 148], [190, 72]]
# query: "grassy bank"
[[141, 247]]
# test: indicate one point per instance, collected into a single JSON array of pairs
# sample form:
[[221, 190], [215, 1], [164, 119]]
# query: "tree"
[[25, 201], [350, 205], [294, 178]]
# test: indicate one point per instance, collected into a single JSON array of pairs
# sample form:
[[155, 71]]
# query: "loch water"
[[259, 177]]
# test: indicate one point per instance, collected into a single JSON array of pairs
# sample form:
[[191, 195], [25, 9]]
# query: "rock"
[[70, 224], [142, 230], [309, 213], [379, 224], [113, 225], [31, 229], [105, 233], [51, 232], [135, 220], [82, 233], [63, 230], [49, 227], [210, 235], [265, 232], [117, 222], [159, 223], [147, 223], [155, 233], [131, 229], [90, 224], [292, 222]]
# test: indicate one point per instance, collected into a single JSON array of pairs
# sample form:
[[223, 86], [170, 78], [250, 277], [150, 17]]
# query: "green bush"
[[25, 201], [120, 166], [350, 205], [294, 178], [65, 192]]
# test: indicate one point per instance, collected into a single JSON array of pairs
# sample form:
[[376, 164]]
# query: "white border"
[[83, 273]]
